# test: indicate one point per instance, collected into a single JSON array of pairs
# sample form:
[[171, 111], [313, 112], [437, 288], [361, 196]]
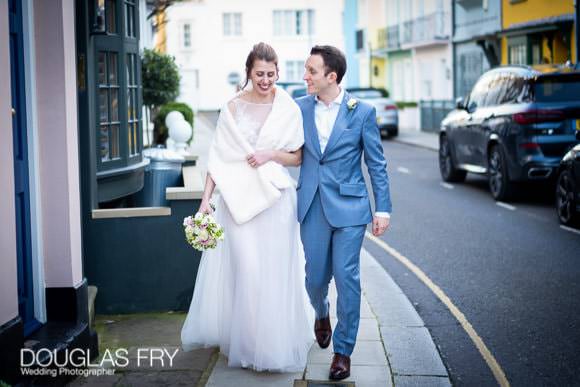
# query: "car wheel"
[[394, 132], [447, 167], [565, 204], [500, 186]]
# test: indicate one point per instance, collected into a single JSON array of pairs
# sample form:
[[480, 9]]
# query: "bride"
[[249, 296]]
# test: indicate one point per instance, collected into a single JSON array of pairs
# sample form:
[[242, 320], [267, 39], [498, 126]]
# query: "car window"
[[497, 88], [557, 88], [367, 94], [479, 92], [517, 90]]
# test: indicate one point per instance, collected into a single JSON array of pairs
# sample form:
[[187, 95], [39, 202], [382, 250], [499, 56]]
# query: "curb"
[[416, 144], [412, 355]]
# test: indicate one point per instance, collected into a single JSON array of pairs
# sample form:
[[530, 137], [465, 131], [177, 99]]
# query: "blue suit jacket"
[[337, 172]]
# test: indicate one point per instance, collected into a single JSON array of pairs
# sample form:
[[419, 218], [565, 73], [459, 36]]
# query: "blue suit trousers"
[[332, 251]]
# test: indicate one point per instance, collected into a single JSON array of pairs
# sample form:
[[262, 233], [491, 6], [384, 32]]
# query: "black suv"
[[568, 187], [515, 126]]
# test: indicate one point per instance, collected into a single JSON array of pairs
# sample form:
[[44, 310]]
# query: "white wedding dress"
[[249, 297]]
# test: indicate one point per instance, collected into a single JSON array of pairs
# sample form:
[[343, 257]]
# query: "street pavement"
[[509, 268], [394, 347]]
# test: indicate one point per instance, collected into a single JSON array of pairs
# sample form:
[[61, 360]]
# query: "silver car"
[[387, 112]]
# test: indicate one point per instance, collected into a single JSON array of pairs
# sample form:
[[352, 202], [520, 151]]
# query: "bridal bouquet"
[[202, 232]]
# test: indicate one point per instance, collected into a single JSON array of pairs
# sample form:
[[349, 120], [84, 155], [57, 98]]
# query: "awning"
[[539, 25]]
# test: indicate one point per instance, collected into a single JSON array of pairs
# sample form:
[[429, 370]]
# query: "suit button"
[[321, 162]]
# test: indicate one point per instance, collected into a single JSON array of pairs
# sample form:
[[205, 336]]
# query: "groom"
[[333, 203]]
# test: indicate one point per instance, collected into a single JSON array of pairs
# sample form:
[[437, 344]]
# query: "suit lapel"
[[339, 125], [310, 126]]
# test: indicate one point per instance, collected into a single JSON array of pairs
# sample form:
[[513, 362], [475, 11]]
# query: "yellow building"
[[538, 32], [377, 41]]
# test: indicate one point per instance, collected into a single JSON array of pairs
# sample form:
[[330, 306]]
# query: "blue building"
[[476, 44], [350, 17]]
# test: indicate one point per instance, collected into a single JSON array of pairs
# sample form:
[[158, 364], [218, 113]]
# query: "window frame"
[[123, 45], [231, 24], [293, 22]]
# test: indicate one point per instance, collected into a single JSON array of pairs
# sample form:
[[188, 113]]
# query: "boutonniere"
[[351, 103]]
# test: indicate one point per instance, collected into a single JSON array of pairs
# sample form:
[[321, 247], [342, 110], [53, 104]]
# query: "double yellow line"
[[481, 347]]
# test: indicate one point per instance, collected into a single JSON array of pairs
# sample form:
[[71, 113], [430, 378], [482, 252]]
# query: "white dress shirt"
[[324, 118]]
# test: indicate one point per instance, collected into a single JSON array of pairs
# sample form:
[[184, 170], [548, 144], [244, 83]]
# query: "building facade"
[[42, 285], [475, 41], [419, 49], [70, 118], [350, 24], [210, 41], [538, 32]]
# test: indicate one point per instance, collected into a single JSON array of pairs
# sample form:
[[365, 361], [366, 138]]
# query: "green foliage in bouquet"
[[162, 130]]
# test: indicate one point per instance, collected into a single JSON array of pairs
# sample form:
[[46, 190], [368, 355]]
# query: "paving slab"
[[362, 376], [421, 381], [365, 353], [411, 351], [223, 375]]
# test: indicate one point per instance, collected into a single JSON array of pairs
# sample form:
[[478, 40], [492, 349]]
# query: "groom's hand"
[[380, 225]]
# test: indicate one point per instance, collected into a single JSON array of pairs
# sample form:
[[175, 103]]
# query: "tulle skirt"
[[249, 296]]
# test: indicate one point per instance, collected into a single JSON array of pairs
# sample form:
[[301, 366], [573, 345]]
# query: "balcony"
[[427, 30], [393, 41], [430, 29]]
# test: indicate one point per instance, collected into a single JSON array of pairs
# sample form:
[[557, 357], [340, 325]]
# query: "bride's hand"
[[260, 158], [205, 207]]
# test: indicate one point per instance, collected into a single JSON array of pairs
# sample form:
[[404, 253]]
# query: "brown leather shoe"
[[340, 367], [323, 332]]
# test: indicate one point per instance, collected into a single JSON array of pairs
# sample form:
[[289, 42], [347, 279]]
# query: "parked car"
[[387, 112], [297, 91], [568, 187], [515, 126]]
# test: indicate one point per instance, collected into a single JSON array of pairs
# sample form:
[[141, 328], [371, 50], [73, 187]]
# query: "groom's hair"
[[333, 58]]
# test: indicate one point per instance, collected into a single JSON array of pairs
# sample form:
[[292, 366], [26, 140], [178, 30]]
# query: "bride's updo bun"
[[260, 51]]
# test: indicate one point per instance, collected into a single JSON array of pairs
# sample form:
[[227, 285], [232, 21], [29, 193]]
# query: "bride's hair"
[[260, 51]]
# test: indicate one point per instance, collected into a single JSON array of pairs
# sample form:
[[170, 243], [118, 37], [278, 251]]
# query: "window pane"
[[128, 68], [114, 105], [103, 106], [311, 22], [113, 77], [130, 138], [238, 24], [298, 16], [226, 21], [104, 140], [100, 16], [102, 68], [557, 89], [111, 16], [133, 138], [114, 151], [130, 20], [134, 101], [277, 23]]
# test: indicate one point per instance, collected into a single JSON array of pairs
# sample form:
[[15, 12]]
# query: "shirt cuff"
[[383, 215]]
